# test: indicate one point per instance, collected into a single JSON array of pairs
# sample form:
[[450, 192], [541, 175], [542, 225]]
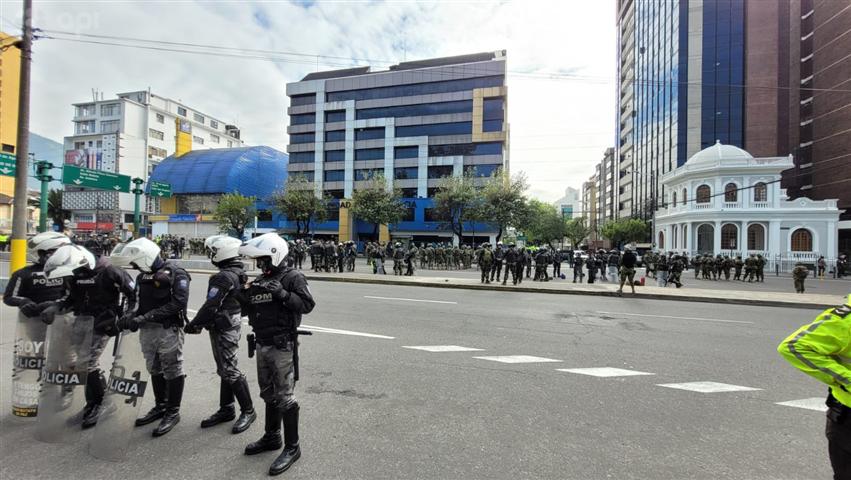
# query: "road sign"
[[7, 164], [85, 177], [160, 189]]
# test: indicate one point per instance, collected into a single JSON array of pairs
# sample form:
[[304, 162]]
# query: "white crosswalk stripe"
[[604, 372], [814, 403], [443, 348], [708, 387], [518, 359]]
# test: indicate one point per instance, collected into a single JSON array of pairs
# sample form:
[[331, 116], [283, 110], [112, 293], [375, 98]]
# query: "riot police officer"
[[162, 290], [29, 289], [221, 315], [96, 290], [274, 303]]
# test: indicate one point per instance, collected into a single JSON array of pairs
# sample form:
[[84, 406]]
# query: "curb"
[[595, 293]]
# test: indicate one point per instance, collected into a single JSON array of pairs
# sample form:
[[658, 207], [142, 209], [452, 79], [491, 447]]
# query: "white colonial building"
[[725, 201]]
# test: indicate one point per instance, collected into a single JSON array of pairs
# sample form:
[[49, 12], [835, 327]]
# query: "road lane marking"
[[679, 318], [410, 300], [345, 332], [518, 359], [814, 403], [604, 372], [708, 387], [443, 348]]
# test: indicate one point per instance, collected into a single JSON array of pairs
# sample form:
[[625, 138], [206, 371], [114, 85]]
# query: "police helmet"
[[139, 254], [267, 245], [222, 247], [69, 260], [47, 241]]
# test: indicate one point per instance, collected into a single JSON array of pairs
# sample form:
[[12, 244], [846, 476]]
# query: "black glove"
[[130, 322], [192, 328], [30, 309], [276, 289], [49, 314], [106, 324]]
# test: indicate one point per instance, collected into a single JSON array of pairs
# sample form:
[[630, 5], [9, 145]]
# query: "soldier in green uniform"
[[799, 274], [738, 264]]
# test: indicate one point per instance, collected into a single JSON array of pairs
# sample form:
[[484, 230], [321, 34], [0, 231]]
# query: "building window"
[[301, 157], [369, 154], [661, 244], [335, 136], [673, 199], [756, 237], [706, 239], [368, 173], [416, 89], [433, 129], [429, 215], [303, 119], [302, 137], [489, 148], [335, 175], [110, 109], [110, 126], [405, 173], [369, 133], [156, 134], [440, 171], [214, 138], [338, 194], [335, 116], [729, 237], [306, 175], [704, 193], [685, 237], [154, 152], [760, 192], [731, 193], [335, 155], [306, 99], [685, 196], [85, 127], [438, 108], [674, 236], [86, 110], [198, 140], [406, 152], [160, 118], [198, 118], [409, 193], [181, 111], [802, 240], [214, 124], [481, 170]]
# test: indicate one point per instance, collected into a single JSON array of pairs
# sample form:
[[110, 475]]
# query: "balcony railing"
[[703, 206], [759, 205], [732, 205]]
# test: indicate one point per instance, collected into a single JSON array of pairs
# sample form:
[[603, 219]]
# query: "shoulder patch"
[[183, 283], [842, 310], [213, 292]]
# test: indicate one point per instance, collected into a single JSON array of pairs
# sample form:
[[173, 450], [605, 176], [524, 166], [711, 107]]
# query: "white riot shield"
[[26, 367], [127, 383], [69, 343]]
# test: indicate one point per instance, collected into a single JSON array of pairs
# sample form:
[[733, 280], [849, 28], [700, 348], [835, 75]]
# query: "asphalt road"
[[372, 408]]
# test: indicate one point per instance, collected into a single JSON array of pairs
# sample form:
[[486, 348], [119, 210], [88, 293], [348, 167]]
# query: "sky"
[[562, 58]]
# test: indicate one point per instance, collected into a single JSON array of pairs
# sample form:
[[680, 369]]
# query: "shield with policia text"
[[69, 343], [127, 383], [28, 360]]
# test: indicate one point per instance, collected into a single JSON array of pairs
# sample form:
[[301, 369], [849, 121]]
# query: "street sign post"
[[7, 164], [137, 192], [97, 179], [160, 189]]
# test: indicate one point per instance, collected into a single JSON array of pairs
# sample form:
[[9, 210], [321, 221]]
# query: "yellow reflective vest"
[[822, 350]]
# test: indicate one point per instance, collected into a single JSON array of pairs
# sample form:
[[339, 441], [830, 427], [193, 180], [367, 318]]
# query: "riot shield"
[[26, 367], [69, 342], [128, 381]]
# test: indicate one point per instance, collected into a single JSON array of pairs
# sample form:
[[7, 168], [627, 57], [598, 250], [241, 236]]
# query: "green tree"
[[577, 230], [54, 207], [298, 202], [378, 205], [456, 202], [542, 223], [234, 212], [625, 230], [503, 203]]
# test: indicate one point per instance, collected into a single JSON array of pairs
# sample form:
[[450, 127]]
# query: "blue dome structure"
[[252, 171]]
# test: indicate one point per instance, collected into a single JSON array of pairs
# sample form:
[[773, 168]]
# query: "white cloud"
[[559, 128]]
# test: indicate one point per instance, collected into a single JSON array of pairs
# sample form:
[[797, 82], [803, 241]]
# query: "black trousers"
[[838, 432]]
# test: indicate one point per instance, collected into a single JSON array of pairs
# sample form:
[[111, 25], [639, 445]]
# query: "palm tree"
[[54, 207]]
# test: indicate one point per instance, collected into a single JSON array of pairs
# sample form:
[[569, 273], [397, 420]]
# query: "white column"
[[717, 239], [773, 244], [389, 144], [743, 237], [349, 158], [422, 169], [831, 241]]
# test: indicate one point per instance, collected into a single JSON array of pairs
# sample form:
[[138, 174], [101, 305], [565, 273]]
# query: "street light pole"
[[43, 175], [137, 191], [19, 214]]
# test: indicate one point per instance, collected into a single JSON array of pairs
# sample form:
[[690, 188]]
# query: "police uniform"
[[822, 350], [30, 290], [221, 314]]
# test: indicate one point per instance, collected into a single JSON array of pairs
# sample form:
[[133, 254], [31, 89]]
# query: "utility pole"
[[19, 214]]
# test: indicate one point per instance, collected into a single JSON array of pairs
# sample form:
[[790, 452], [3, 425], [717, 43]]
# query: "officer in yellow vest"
[[822, 350]]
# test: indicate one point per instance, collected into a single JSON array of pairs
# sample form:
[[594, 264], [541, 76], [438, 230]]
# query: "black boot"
[[271, 440], [172, 411], [292, 451], [96, 387], [247, 414], [226, 410], [160, 397]]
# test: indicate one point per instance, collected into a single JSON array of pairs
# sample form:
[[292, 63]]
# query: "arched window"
[[661, 244], [731, 193], [685, 237], [673, 199], [729, 237], [674, 237], [760, 192], [704, 193], [706, 238], [685, 196], [802, 240], [756, 237]]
